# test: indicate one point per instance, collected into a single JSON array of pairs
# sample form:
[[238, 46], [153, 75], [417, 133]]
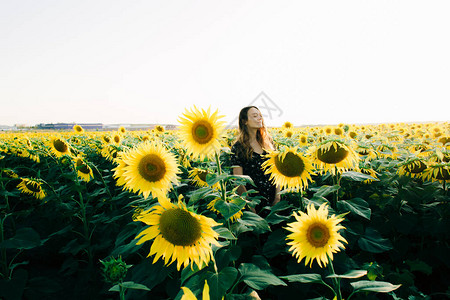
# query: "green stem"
[[222, 183], [336, 281], [121, 292]]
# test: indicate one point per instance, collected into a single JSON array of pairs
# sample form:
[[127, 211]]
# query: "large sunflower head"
[[288, 169], [201, 132], [334, 155], [315, 235], [178, 234], [32, 186], [148, 168], [59, 146]]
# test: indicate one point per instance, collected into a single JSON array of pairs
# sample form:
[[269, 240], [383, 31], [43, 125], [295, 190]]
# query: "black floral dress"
[[252, 168]]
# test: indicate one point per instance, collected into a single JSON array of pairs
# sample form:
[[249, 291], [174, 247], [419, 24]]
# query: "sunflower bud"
[[114, 270]]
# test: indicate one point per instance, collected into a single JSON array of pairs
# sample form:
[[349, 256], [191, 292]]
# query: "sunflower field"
[[364, 213]]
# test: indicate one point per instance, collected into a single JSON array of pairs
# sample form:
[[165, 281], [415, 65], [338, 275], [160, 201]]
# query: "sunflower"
[[83, 170], [148, 168], [122, 129], [437, 172], [303, 140], [198, 176], [287, 125], [159, 129], [110, 152], [315, 235], [288, 133], [288, 169], [412, 167], [59, 146], [78, 129], [117, 139], [201, 132], [106, 139], [334, 156], [32, 186], [10, 173], [179, 235]]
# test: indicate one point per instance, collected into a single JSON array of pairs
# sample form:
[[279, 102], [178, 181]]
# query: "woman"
[[247, 155]]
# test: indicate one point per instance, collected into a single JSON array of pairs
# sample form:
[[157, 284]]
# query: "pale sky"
[[319, 62]]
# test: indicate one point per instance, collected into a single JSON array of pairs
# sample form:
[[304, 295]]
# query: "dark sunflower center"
[[443, 174], [82, 167], [60, 146], [179, 227], [332, 155], [116, 139], [33, 186], [318, 235], [106, 139], [291, 166], [202, 132], [416, 167], [152, 168], [202, 175], [303, 139]]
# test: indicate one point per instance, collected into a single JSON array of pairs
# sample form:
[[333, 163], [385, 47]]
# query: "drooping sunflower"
[[198, 176], [78, 129], [412, 167], [59, 146], [288, 169], [315, 235], [32, 186], [83, 170], [334, 156], [179, 234], [437, 172], [201, 132], [148, 168]]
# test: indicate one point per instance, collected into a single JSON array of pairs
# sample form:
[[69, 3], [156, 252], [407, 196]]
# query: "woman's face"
[[254, 118]]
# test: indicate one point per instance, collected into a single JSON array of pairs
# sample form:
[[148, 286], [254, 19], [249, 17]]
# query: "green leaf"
[[25, 238], [356, 176], [253, 220], [325, 190], [304, 278], [276, 243], [229, 209], [256, 278], [421, 266], [134, 286], [357, 206], [350, 274], [219, 283], [373, 242], [374, 286], [225, 233], [198, 194]]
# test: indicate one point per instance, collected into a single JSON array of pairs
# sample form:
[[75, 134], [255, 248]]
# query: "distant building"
[[69, 126]]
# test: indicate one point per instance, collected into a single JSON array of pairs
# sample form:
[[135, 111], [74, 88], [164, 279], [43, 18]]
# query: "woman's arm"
[[277, 196]]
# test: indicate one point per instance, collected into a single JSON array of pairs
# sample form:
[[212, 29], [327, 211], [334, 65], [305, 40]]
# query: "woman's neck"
[[252, 134]]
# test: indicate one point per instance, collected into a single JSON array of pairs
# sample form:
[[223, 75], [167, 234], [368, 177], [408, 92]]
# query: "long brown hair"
[[262, 136]]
